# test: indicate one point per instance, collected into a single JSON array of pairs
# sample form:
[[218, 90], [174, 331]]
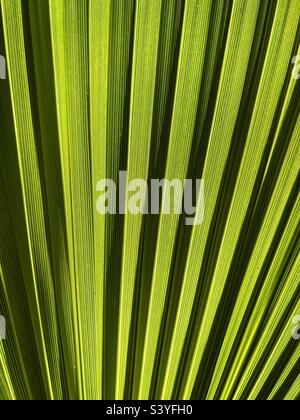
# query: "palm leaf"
[[142, 306]]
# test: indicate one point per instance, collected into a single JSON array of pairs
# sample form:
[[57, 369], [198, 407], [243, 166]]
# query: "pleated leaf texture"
[[141, 306]]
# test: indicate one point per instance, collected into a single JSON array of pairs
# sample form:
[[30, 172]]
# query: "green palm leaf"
[[142, 306]]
